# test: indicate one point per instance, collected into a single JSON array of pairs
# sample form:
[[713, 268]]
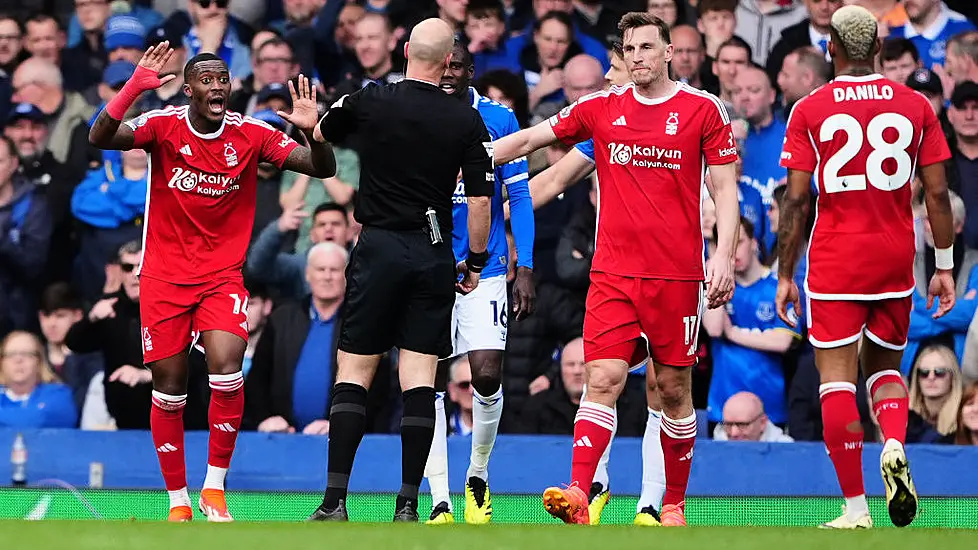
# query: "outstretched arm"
[[108, 132], [523, 143], [547, 185], [317, 159]]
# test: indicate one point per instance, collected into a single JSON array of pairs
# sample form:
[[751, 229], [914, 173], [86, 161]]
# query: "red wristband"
[[143, 79]]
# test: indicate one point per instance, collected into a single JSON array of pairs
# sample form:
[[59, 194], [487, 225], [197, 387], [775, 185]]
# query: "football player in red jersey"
[[653, 142], [862, 136], [199, 215]]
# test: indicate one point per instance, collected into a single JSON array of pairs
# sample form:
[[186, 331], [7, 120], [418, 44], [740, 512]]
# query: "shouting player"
[[653, 141], [862, 136], [199, 213], [479, 319], [544, 187]]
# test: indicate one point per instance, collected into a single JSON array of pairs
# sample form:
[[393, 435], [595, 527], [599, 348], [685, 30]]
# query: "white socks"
[[215, 477], [436, 470], [653, 464], [486, 412], [180, 497], [856, 507]]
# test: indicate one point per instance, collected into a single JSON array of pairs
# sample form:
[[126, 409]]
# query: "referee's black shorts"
[[400, 291]]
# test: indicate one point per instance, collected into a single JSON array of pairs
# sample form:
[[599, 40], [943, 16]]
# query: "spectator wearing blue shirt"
[[749, 337], [30, 395], [485, 31], [90, 16], [109, 205], [213, 32], [293, 370], [541, 8], [930, 24], [952, 328]]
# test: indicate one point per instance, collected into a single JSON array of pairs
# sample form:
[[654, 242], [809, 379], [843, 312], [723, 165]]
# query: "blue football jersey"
[[500, 121], [736, 368], [586, 148], [932, 42]]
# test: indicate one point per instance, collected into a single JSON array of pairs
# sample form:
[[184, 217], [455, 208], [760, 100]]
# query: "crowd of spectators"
[[71, 216]]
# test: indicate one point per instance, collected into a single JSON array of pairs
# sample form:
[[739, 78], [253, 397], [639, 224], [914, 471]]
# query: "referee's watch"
[[477, 261]]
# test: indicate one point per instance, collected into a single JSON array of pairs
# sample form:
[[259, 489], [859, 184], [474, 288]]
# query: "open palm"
[[305, 111]]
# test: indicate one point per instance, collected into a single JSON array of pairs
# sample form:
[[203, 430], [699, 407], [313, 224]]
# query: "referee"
[[401, 279]]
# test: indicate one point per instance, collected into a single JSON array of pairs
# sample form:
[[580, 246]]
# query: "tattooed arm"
[[794, 216], [316, 160], [109, 133], [791, 224]]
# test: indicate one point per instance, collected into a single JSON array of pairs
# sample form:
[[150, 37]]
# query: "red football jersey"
[[651, 156], [200, 207], [862, 138]]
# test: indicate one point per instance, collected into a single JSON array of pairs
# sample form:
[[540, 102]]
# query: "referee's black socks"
[[347, 424], [417, 429]]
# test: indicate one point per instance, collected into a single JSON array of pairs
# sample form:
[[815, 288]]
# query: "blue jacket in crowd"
[[48, 406], [105, 199]]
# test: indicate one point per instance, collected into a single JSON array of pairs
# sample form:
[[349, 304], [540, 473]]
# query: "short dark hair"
[[59, 296], [190, 67], [277, 41], [484, 9], [746, 224], [256, 288], [895, 48], [467, 59], [43, 18], [617, 48], [737, 42], [8, 17], [513, 87], [705, 6], [387, 20], [330, 207], [637, 19]]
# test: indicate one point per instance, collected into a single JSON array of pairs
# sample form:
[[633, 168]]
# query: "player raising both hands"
[[199, 216], [862, 136]]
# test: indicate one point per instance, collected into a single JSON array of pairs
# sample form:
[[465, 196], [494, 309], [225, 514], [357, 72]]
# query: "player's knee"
[[169, 384], [486, 368], [604, 378], [671, 387]]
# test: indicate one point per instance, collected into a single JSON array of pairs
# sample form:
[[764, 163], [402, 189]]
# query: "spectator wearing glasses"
[[12, 50], [31, 396], [744, 420], [213, 30], [273, 62], [935, 396], [459, 410], [88, 22]]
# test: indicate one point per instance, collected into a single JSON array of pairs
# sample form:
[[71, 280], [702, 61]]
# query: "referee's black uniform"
[[400, 283], [415, 137]]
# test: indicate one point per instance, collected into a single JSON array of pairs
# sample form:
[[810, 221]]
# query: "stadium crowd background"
[[71, 216]]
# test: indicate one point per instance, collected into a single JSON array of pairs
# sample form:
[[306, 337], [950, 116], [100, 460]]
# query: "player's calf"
[[677, 432], [166, 426]]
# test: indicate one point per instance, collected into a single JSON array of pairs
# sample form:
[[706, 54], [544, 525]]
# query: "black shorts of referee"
[[400, 291]]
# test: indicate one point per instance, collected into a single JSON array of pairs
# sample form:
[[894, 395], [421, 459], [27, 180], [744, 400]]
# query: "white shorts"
[[479, 318]]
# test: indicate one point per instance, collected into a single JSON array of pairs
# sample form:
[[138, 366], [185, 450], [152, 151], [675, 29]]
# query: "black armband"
[[477, 261]]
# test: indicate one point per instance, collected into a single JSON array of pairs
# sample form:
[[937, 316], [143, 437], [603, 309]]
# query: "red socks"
[[677, 437], [891, 413], [224, 416], [593, 427], [843, 434], [166, 425]]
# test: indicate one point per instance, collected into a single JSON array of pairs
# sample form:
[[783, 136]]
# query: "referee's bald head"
[[854, 32], [430, 44]]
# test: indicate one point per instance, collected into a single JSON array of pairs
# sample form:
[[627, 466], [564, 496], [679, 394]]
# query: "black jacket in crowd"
[[268, 386], [792, 38]]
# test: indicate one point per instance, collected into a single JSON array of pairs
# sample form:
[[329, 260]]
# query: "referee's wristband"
[[477, 261], [944, 258]]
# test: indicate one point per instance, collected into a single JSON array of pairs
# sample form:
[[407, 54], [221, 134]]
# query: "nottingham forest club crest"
[[230, 155]]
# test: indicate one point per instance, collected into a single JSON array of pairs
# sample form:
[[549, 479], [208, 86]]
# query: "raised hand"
[[147, 75], [305, 111]]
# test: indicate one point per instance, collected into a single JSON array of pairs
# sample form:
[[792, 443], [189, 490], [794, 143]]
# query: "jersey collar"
[[216, 134], [649, 101], [934, 30], [475, 97], [865, 78]]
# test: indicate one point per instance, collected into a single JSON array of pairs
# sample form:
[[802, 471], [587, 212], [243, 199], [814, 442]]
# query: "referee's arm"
[[480, 184], [339, 121]]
